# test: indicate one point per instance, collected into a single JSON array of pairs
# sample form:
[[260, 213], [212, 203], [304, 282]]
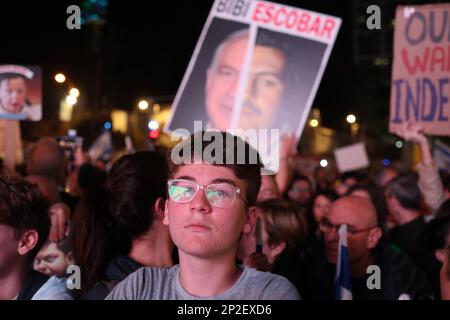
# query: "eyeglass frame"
[[205, 187], [337, 226]]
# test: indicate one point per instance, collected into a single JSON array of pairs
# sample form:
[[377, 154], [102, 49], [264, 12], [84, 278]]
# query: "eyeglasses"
[[326, 226], [220, 195]]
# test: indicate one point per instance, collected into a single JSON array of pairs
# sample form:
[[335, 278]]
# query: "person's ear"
[[250, 223], [373, 238], [166, 213], [441, 255], [27, 242], [158, 208], [276, 249]]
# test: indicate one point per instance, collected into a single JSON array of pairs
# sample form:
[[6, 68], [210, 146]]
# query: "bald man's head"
[[356, 210], [360, 216], [47, 159], [47, 186]]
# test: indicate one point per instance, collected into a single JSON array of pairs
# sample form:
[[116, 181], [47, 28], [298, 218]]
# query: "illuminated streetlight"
[[71, 100], [314, 123], [143, 105], [153, 125], [74, 92], [399, 144], [60, 78], [323, 163], [351, 118]]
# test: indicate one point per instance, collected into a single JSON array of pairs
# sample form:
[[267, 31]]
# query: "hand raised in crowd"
[[411, 132], [258, 261], [59, 216], [288, 146]]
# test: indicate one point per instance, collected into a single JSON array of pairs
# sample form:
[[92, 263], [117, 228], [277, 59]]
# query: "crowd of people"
[[152, 228]]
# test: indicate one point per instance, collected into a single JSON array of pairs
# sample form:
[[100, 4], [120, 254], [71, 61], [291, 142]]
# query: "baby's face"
[[13, 94]]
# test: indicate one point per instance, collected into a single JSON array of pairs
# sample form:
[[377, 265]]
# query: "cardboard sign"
[[20, 92], [352, 157], [257, 65], [420, 88]]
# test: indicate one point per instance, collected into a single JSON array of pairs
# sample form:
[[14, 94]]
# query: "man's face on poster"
[[13, 93], [263, 91]]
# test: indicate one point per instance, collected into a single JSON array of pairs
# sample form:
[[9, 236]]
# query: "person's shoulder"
[[138, 285], [272, 286], [54, 289], [403, 274]]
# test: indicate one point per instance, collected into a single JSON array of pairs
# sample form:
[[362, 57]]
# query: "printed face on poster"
[[256, 66], [20, 92], [420, 87]]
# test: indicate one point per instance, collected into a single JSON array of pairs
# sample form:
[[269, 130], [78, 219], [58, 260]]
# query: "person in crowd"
[[54, 258], [322, 201], [280, 234], [445, 278], [430, 183], [47, 158], [269, 188], [436, 240], [301, 191], [374, 194], [208, 209], [24, 228], [398, 277], [403, 199], [119, 228]]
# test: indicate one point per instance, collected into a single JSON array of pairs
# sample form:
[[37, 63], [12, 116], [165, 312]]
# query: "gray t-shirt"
[[164, 284]]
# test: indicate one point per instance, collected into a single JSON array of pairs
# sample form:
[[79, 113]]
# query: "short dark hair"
[[406, 190], [283, 222], [299, 177], [23, 207], [248, 171]]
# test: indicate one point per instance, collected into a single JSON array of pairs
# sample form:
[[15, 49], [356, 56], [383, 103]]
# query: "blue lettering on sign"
[[427, 103]]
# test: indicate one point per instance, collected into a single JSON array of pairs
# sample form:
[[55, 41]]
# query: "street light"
[[314, 123], [143, 105], [74, 92], [60, 78], [71, 100], [351, 118]]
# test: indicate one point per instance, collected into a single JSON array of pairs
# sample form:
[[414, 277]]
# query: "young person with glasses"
[[209, 207]]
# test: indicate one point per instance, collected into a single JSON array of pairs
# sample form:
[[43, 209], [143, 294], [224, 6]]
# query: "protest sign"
[[420, 87], [257, 65], [352, 157], [20, 92]]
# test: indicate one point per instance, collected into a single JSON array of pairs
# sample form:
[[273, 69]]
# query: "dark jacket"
[[398, 276], [32, 284], [117, 270]]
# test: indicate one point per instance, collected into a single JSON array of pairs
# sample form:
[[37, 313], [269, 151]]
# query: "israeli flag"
[[343, 282]]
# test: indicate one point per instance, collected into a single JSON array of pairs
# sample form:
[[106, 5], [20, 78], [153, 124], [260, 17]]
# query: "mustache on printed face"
[[250, 106]]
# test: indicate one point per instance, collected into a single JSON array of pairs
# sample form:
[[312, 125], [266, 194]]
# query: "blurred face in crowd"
[[200, 229], [52, 261], [321, 206], [13, 92], [363, 234], [264, 87], [269, 188], [300, 192]]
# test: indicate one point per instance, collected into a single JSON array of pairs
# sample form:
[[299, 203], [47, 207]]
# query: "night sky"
[[144, 49]]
